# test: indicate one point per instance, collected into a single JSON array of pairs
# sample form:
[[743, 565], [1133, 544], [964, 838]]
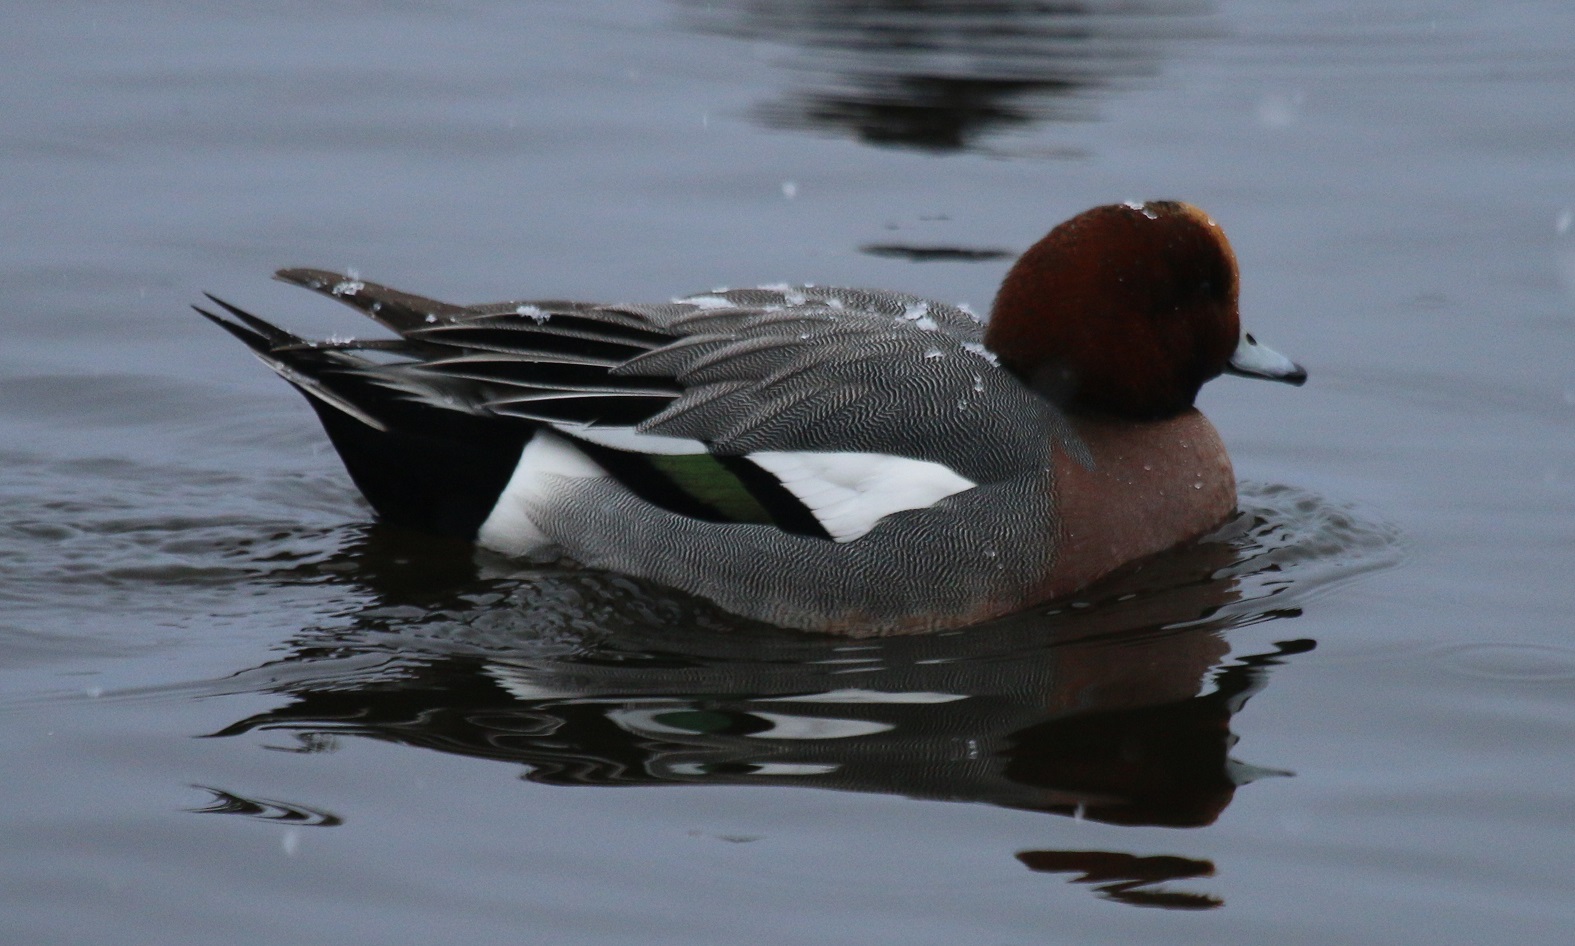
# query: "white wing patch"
[[546, 458], [850, 492]]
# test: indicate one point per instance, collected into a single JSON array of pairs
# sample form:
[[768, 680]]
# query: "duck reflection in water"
[[942, 76], [1090, 710]]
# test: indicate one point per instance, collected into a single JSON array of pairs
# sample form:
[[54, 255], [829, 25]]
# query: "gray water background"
[[405, 747]]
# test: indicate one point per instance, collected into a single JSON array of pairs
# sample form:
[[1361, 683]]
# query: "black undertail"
[[444, 479], [428, 468]]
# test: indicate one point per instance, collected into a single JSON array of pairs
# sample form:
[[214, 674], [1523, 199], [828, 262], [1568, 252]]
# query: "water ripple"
[[1531, 663], [264, 809]]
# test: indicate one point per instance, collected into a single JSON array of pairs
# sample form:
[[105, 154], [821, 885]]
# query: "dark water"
[[233, 710]]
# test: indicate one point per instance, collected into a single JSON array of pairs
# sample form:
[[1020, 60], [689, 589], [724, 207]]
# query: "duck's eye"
[[1250, 339]]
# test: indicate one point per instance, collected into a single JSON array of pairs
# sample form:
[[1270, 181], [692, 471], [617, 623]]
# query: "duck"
[[842, 460]]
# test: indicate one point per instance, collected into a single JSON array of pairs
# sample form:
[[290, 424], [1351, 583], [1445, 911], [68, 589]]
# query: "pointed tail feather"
[[292, 358], [391, 308]]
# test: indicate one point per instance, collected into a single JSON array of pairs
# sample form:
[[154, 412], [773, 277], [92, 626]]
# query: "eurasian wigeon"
[[846, 460]]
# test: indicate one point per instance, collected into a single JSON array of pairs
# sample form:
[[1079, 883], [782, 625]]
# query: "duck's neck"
[[1153, 485]]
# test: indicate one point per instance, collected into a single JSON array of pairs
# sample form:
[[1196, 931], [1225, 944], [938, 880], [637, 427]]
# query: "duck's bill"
[[1253, 360]]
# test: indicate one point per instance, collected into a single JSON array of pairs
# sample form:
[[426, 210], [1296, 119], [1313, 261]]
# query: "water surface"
[[235, 710]]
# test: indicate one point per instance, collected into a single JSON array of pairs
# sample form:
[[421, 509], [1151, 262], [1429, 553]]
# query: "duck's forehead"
[[1181, 217], [1155, 209]]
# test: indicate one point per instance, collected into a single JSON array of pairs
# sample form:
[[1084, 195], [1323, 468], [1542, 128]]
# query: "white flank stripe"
[[632, 441], [546, 459], [850, 492]]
